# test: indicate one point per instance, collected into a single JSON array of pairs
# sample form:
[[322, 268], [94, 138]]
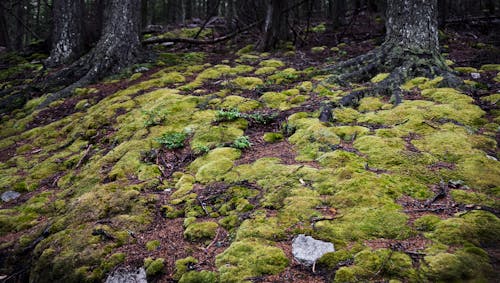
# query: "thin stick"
[[87, 150], [214, 240]]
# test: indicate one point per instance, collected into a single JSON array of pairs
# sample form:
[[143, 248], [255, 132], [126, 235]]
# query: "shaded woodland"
[[196, 140]]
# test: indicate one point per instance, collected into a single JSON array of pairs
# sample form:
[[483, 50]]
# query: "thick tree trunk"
[[144, 13], [118, 47], [412, 24], [188, 6], [411, 49], [338, 12], [275, 26], [4, 36], [67, 32]]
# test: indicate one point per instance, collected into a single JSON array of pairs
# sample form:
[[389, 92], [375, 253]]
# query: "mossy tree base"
[[400, 64]]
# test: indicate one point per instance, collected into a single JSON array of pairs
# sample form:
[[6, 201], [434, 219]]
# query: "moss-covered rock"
[[201, 231], [153, 266], [249, 258], [249, 83]]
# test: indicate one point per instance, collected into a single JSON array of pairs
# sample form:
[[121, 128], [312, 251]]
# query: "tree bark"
[[412, 24], [339, 12], [4, 36], [410, 49], [67, 32], [118, 47], [275, 25]]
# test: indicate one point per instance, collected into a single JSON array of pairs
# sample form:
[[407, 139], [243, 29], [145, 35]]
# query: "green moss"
[[273, 137], [318, 49], [153, 266], [468, 264], [380, 77], [249, 258], [201, 231], [476, 227], [345, 115], [249, 83], [466, 70], [491, 67], [470, 197], [239, 103], [199, 277], [248, 58], [389, 263], [345, 275], [152, 245], [265, 70], [182, 266], [349, 133], [215, 135], [135, 76], [330, 260], [247, 49], [213, 165], [370, 104], [312, 137], [480, 172], [272, 63], [492, 99], [286, 75], [426, 222], [84, 91]]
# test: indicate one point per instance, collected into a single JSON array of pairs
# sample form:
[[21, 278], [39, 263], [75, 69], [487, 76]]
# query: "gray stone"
[[10, 195], [122, 275], [475, 75], [307, 250]]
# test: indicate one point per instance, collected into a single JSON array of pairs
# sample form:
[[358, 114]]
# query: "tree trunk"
[[412, 24], [339, 12], [275, 25], [19, 26], [118, 47], [144, 13], [212, 7], [4, 36], [67, 32], [411, 49], [188, 6]]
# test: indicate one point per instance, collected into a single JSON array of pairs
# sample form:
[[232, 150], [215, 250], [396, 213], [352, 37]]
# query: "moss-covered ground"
[[179, 170]]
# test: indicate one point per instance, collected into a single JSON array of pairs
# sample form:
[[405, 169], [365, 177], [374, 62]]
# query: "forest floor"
[[205, 165]]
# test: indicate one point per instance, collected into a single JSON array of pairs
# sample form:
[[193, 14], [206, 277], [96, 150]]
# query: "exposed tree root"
[[401, 65], [102, 60]]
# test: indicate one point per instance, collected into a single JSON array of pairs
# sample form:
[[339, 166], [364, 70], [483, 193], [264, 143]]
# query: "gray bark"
[[275, 25], [338, 8], [118, 47], [412, 25], [67, 33]]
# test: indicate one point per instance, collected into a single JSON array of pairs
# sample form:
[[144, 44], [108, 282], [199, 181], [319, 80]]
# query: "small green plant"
[[263, 118], [242, 143], [172, 140], [201, 149], [227, 115], [153, 117]]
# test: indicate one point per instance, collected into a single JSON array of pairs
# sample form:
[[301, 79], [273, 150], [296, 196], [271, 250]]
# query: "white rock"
[[475, 75], [10, 195], [122, 275], [307, 250]]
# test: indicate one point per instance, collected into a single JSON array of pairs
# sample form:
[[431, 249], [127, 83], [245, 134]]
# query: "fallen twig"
[[87, 150], [214, 240]]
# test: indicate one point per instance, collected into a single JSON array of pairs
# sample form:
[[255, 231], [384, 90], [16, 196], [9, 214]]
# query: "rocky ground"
[[205, 165]]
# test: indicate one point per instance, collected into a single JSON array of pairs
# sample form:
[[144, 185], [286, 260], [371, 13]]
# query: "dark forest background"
[[28, 24]]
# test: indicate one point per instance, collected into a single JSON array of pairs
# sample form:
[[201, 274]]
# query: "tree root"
[[388, 58]]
